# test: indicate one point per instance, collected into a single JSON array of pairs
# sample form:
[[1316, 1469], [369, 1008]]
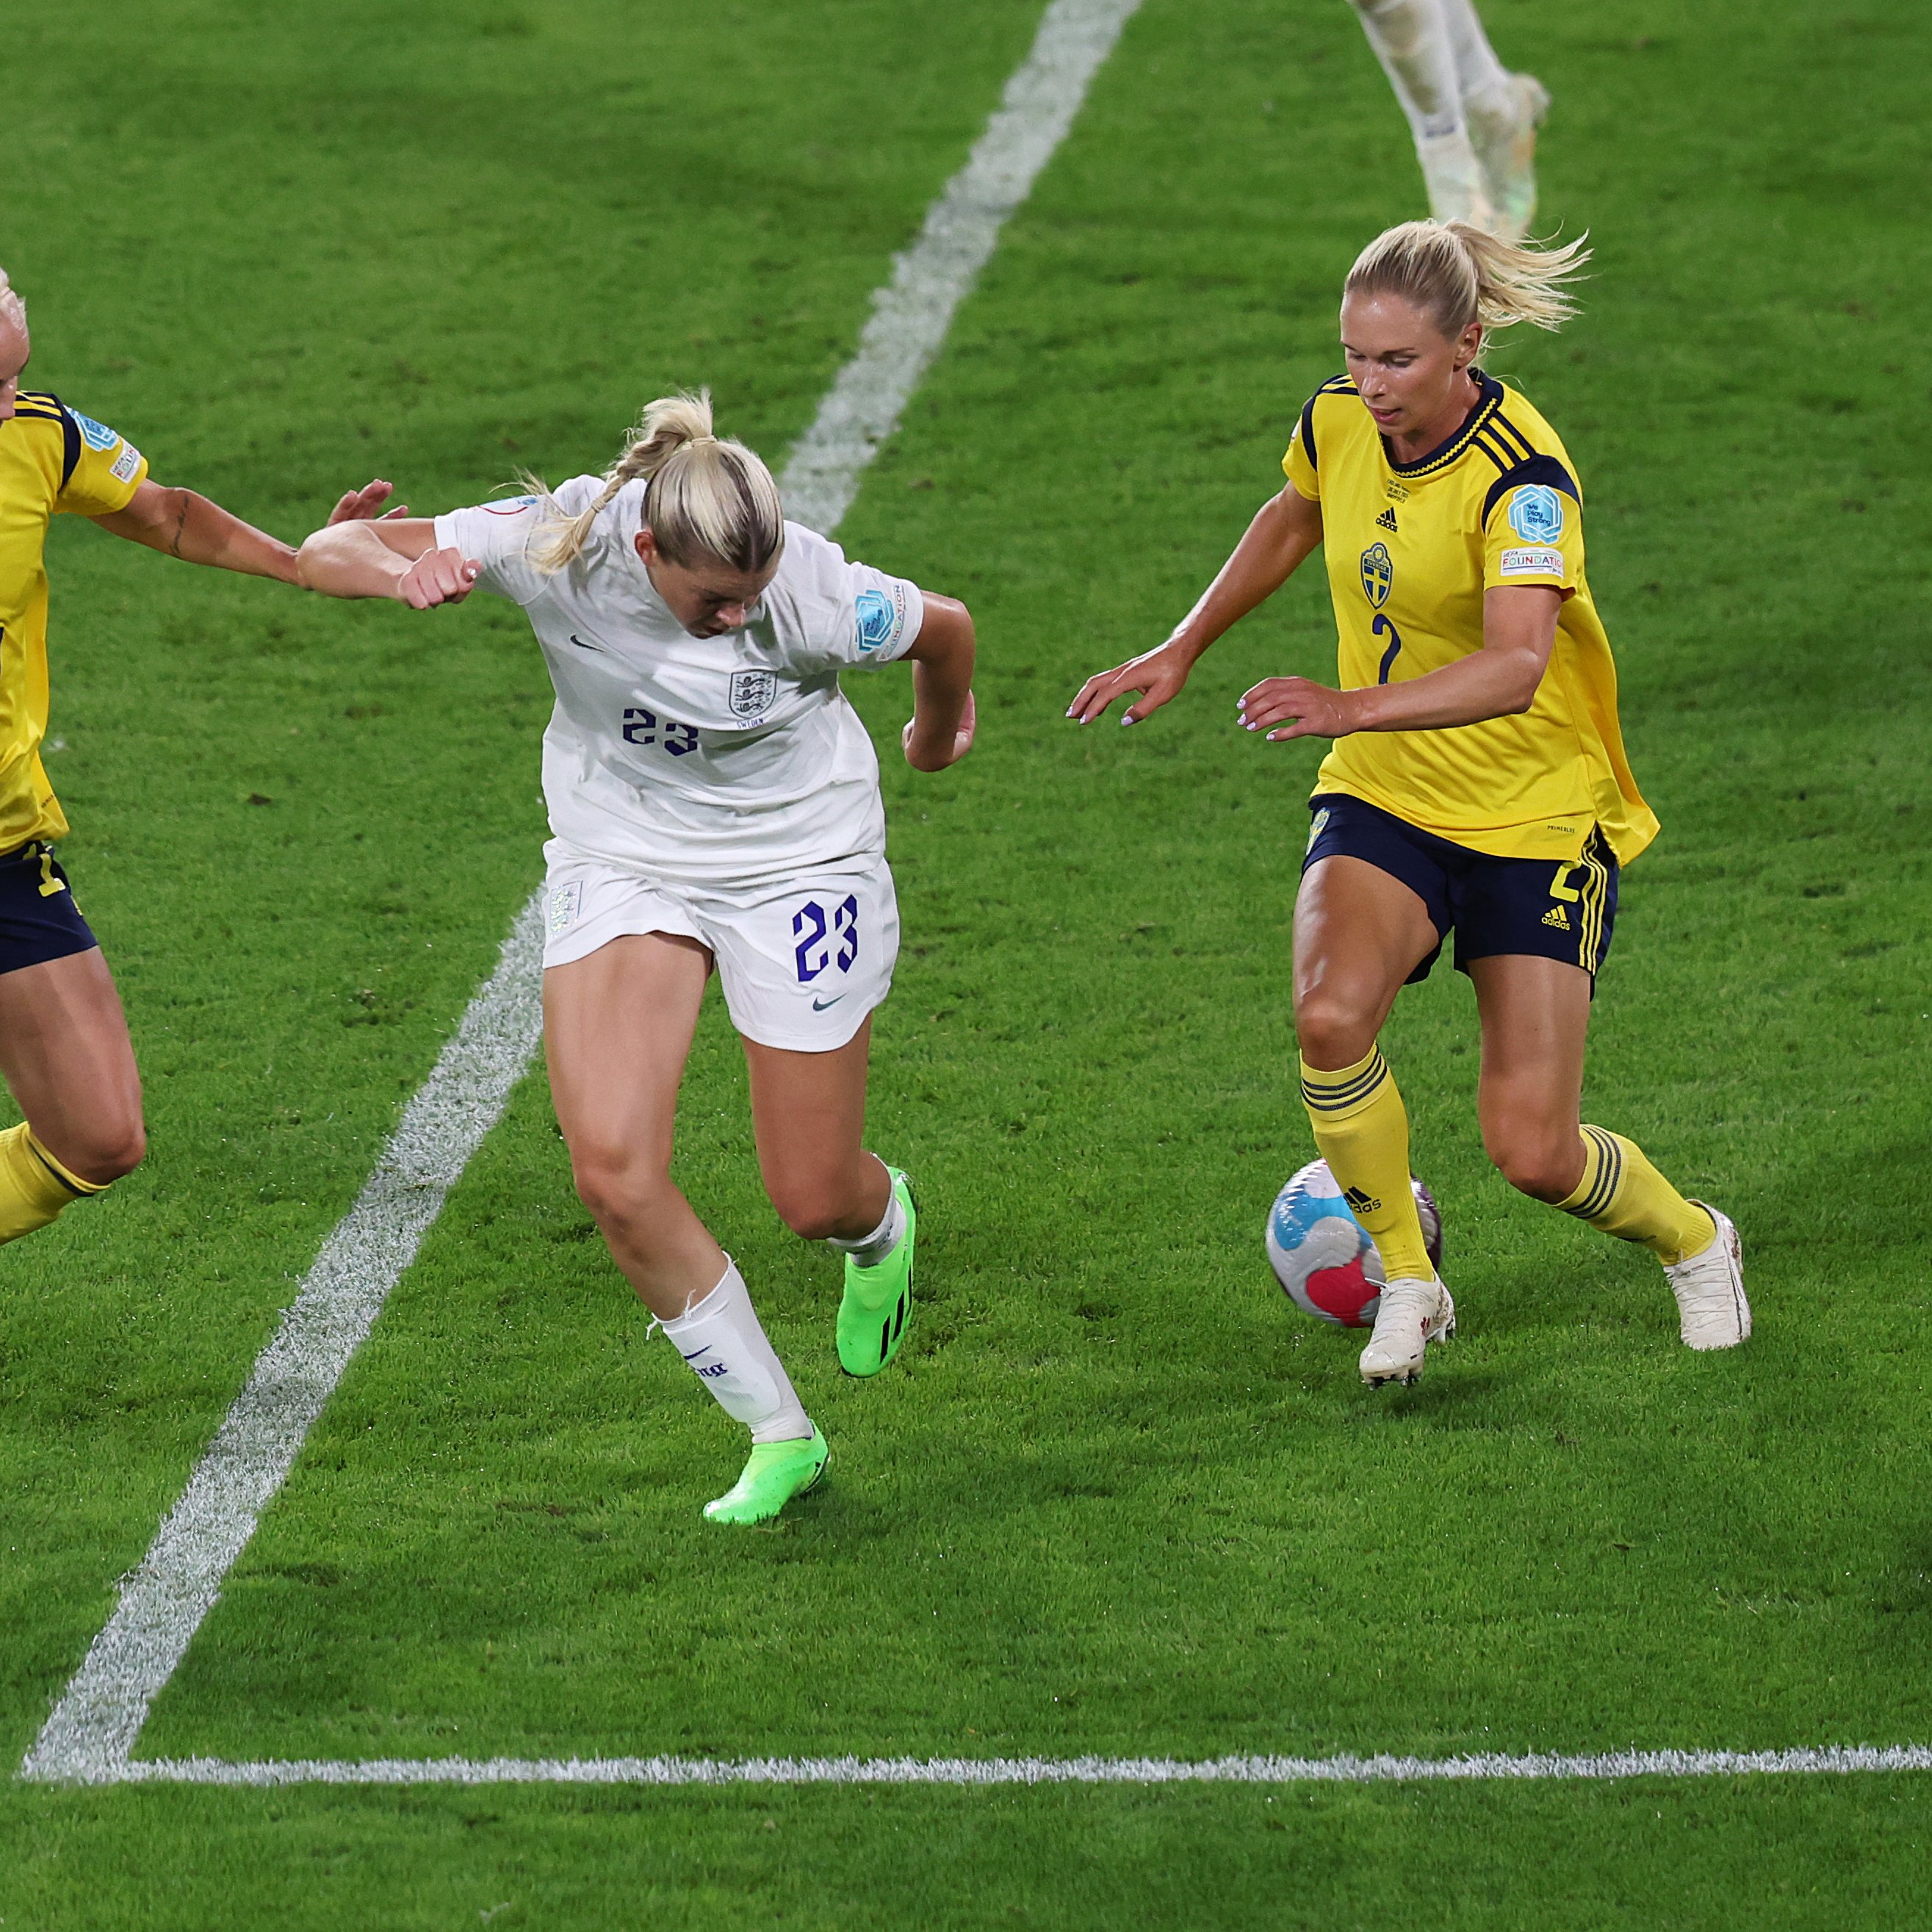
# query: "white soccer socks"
[[1485, 86], [870, 1250], [1412, 43], [725, 1344], [1474, 121]]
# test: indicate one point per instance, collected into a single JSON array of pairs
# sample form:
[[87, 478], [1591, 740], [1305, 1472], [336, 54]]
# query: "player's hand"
[[437, 577], [362, 505], [919, 756], [1157, 676], [1296, 707]]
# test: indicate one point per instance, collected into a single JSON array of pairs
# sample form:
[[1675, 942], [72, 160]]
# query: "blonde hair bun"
[[710, 499]]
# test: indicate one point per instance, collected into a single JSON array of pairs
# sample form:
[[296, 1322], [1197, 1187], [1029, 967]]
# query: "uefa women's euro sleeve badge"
[[1536, 513], [875, 620]]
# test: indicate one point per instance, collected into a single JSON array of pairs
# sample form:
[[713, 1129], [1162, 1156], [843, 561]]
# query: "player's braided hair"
[[709, 500], [1457, 274]]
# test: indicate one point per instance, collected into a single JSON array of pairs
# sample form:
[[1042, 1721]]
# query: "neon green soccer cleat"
[[773, 1473], [878, 1300]]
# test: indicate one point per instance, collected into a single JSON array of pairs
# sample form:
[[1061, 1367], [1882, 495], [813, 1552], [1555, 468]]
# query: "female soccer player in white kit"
[[714, 800]]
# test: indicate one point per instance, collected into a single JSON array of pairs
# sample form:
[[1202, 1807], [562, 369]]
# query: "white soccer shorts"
[[802, 961]]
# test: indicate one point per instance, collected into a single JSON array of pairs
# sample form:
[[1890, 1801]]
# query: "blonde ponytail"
[[1456, 275], [709, 500]]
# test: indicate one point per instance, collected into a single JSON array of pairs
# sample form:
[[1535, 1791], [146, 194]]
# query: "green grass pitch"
[[1119, 1499]]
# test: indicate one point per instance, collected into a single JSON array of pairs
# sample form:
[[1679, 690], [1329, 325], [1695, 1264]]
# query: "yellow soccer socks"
[[1623, 1195], [34, 1186], [1362, 1128]]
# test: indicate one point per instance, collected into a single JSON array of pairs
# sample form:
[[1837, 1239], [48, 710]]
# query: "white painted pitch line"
[[1033, 1771], [912, 313], [93, 1728]]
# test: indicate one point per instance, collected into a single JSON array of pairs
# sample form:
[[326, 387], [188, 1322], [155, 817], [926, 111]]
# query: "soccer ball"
[[1322, 1255]]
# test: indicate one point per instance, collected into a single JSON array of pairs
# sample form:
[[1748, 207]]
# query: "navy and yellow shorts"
[[39, 920], [1552, 910]]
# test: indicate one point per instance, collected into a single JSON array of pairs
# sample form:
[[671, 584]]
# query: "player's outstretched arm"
[[396, 558], [184, 523], [940, 731], [1285, 529]]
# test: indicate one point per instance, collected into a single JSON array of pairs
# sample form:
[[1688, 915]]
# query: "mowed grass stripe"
[[94, 1728], [94, 1725], [302, 828], [1122, 1502]]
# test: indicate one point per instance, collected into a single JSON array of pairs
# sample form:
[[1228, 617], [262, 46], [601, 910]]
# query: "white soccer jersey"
[[709, 760]]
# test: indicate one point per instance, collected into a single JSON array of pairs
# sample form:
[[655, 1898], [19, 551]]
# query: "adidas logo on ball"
[[1322, 1255]]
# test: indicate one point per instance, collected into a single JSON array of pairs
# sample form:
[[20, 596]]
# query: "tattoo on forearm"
[[180, 525]]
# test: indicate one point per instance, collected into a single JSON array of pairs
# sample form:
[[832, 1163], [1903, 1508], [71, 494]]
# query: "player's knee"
[[105, 1152], [1535, 1158], [811, 1210], [1332, 1033], [615, 1185], [815, 1200]]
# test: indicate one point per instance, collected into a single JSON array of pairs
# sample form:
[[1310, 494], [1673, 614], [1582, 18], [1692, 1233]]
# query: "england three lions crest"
[[752, 694]]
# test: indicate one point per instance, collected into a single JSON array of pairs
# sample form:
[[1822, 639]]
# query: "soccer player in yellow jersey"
[[1478, 783], [64, 1045]]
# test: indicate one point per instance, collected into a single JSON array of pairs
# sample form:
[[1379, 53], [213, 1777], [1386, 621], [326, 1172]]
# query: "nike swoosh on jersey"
[[582, 646], [819, 1005]]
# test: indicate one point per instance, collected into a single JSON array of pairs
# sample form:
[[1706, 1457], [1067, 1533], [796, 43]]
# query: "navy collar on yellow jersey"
[[1489, 401]]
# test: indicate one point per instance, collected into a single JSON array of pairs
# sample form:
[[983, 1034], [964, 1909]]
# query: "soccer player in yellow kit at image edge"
[[65, 1049]]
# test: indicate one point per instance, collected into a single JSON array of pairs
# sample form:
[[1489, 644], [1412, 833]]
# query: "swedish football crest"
[[751, 693], [1378, 574]]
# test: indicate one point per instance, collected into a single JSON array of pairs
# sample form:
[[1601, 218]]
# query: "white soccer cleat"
[[1506, 149], [1455, 179], [1712, 1312], [1413, 1313]]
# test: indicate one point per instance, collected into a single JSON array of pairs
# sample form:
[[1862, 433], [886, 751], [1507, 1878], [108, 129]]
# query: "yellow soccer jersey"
[[51, 459], [1410, 548]]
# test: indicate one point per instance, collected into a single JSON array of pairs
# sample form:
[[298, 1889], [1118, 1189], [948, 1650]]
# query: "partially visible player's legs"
[[1359, 933], [617, 1030], [1535, 1017], [809, 1111], [1501, 111], [1410, 38], [65, 1053]]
